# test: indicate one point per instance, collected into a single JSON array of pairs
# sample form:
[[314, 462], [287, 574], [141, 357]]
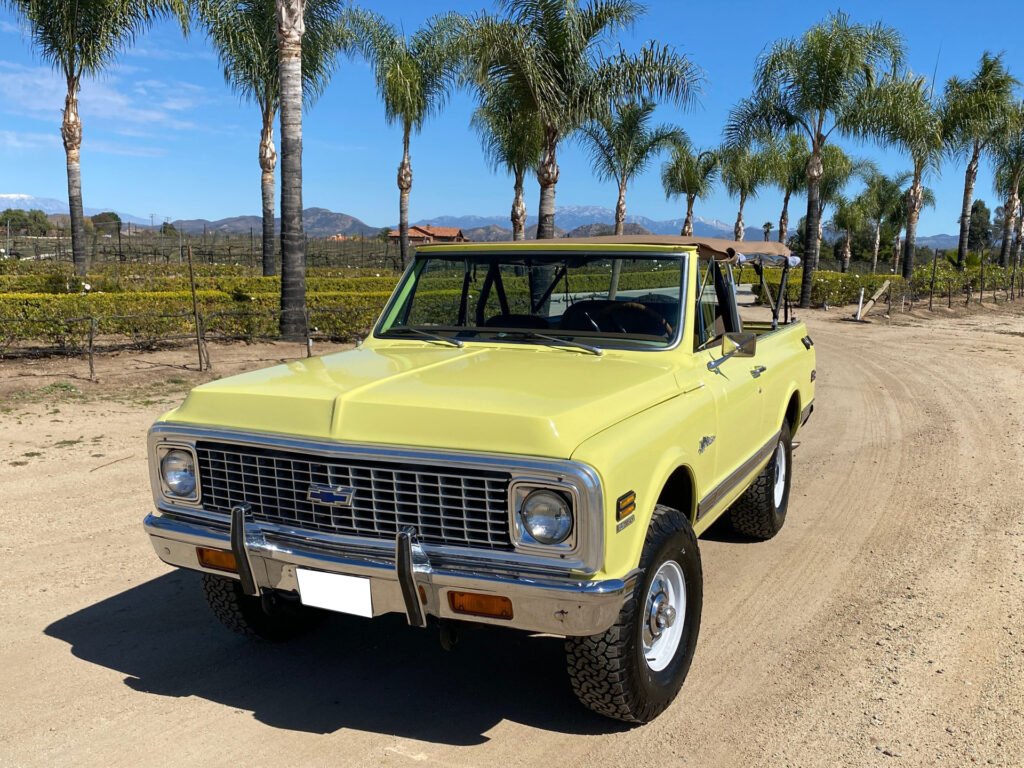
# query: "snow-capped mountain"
[[51, 205]]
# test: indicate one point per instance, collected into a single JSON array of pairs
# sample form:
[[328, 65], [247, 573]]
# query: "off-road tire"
[[608, 672], [270, 617], [755, 513]]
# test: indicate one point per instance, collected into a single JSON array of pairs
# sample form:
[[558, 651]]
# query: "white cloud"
[[28, 140], [9, 28], [169, 54], [39, 92]]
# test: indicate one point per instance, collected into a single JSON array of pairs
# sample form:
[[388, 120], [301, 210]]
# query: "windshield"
[[580, 300]]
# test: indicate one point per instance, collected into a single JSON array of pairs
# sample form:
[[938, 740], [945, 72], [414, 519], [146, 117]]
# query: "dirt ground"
[[883, 626]]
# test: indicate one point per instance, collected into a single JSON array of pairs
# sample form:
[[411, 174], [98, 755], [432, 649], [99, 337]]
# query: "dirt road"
[[883, 626]]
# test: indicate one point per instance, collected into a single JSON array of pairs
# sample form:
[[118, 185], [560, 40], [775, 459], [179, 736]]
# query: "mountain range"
[[321, 222], [50, 206]]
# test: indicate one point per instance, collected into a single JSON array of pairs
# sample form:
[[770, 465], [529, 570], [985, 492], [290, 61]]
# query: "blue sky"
[[165, 136]]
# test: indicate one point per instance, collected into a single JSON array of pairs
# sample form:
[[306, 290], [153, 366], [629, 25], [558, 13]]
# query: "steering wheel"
[[637, 317]]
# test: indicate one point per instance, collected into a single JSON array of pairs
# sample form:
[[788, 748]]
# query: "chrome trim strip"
[[583, 478], [714, 497]]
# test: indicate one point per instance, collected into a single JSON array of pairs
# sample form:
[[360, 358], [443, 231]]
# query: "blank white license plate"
[[335, 592]]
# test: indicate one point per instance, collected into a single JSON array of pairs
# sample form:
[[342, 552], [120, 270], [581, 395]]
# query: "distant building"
[[426, 233], [338, 238]]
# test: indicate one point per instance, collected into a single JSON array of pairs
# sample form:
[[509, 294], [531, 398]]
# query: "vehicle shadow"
[[379, 676]]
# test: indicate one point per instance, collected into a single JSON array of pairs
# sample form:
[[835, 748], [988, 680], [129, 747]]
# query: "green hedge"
[[150, 317], [832, 288]]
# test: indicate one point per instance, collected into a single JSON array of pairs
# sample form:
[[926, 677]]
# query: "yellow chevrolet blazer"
[[533, 436]]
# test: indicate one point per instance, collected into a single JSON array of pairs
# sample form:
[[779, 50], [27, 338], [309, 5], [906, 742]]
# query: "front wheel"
[[270, 616], [634, 670]]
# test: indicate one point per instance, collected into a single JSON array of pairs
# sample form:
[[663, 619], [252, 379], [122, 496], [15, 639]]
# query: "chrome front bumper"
[[402, 579]]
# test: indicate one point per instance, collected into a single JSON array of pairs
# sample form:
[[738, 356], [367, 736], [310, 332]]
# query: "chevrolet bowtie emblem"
[[331, 495]]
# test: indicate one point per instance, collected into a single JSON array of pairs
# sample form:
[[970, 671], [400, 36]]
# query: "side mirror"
[[735, 345], [739, 345]]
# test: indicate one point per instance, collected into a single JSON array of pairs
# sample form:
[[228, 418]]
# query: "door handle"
[[757, 370]]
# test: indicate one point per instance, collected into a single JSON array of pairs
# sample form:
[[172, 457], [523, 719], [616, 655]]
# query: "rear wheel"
[[634, 670], [761, 511], [271, 616]]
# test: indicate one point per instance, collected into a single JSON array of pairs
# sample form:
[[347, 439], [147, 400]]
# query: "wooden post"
[[92, 344], [195, 308], [981, 288], [931, 290]]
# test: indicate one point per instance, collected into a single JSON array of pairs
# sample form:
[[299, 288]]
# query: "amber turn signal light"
[[217, 559], [472, 604]]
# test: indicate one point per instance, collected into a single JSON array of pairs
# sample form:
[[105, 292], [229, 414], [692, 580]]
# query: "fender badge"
[[625, 524], [705, 442]]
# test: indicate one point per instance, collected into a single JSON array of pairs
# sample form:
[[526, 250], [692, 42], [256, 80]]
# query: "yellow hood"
[[508, 398]]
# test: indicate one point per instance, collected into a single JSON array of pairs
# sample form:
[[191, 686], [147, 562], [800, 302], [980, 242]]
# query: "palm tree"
[[290, 30], [849, 217], [767, 229], [838, 170], [809, 85], [899, 216], [244, 34], [621, 145], [81, 39], [689, 173], [902, 112], [1008, 153], [787, 170], [414, 77], [975, 109], [881, 201], [743, 173], [549, 54], [512, 141]]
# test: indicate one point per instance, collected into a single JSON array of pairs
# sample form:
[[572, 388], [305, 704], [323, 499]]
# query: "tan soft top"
[[718, 248]]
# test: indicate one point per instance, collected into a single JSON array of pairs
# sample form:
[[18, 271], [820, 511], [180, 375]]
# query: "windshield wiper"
[[564, 342], [425, 334]]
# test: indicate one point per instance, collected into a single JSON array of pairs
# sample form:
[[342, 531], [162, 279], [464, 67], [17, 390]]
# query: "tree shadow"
[[370, 675]]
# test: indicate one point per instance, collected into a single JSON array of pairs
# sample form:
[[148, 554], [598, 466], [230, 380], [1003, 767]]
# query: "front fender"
[[639, 455]]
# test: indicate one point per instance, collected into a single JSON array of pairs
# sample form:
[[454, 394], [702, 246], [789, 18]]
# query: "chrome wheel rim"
[[780, 474], [664, 615]]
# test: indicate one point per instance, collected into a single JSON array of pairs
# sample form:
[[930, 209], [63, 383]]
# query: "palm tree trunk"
[[404, 185], [737, 230], [688, 221], [547, 177], [519, 207], [71, 133], [896, 250], [784, 218], [620, 210], [811, 242], [1009, 224], [1017, 244], [847, 252], [914, 196], [970, 177], [268, 161], [290, 28], [878, 246]]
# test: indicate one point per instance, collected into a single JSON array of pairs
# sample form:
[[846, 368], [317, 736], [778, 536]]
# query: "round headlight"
[[179, 473], [547, 517]]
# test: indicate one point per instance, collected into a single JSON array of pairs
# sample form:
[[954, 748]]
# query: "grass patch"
[[66, 443]]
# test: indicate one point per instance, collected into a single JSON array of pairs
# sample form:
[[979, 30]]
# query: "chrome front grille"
[[456, 507]]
